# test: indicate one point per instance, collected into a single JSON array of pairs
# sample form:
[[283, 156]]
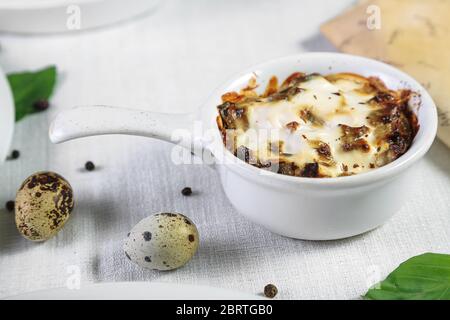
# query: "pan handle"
[[86, 121]]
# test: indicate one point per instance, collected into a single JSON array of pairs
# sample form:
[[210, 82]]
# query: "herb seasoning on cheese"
[[318, 126]]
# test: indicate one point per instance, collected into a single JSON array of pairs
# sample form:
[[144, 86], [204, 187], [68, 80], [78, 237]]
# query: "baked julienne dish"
[[318, 126]]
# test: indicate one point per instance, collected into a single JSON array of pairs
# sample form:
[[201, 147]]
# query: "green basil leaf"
[[29, 87], [424, 277]]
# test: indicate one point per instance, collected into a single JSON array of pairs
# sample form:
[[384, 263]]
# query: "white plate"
[[6, 116], [39, 16], [139, 291]]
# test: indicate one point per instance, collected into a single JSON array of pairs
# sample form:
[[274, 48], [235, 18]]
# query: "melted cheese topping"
[[316, 126], [333, 103]]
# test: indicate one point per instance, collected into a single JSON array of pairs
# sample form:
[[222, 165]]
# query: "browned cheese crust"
[[391, 122]]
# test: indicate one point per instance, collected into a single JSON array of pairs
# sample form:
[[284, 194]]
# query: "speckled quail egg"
[[43, 205], [163, 241]]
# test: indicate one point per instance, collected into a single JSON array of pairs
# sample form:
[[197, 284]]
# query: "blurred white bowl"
[[138, 291], [41, 16], [6, 116]]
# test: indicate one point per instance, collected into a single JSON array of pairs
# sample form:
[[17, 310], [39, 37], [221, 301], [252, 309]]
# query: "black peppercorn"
[[14, 154], [41, 105], [186, 191], [9, 205], [89, 166], [270, 291]]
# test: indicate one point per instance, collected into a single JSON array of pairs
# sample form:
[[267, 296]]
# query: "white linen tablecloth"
[[169, 61]]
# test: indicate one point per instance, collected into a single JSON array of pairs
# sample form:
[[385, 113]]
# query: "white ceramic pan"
[[305, 208]]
